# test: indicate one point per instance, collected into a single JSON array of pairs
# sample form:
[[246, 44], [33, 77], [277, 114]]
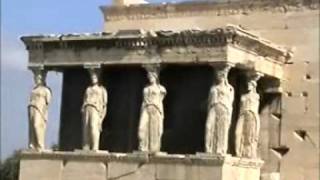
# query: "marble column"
[[220, 105], [40, 99], [248, 125], [152, 114]]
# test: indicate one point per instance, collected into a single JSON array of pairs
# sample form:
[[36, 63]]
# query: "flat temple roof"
[[178, 38]]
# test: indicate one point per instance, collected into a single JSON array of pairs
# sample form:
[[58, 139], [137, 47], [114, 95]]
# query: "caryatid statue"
[[248, 125], [94, 110], [152, 115], [38, 111], [220, 104]]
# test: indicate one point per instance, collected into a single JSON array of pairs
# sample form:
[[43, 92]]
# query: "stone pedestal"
[[109, 166]]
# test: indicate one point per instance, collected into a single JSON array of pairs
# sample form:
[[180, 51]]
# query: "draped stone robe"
[[151, 119], [93, 112], [219, 118], [248, 126], [38, 116]]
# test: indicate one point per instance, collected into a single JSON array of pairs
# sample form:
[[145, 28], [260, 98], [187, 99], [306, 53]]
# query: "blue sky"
[[21, 17]]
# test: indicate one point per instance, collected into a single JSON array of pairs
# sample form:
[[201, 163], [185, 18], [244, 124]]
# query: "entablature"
[[230, 44]]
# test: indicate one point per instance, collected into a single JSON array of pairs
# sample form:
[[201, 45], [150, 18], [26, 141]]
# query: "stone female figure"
[[221, 98], [248, 126], [38, 112], [151, 118], [94, 110]]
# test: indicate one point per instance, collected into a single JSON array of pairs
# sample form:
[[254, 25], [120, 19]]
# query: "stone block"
[[40, 169], [131, 171], [174, 171], [121, 169], [84, 170], [240, 173], [311, 173], [270, 176], [210, 172]]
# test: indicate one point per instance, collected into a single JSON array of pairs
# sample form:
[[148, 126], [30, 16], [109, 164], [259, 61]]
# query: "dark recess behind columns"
[[125, 86], [185, 107], [75, 81]]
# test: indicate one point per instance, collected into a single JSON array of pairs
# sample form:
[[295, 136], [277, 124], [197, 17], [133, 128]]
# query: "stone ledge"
[[101, 156]]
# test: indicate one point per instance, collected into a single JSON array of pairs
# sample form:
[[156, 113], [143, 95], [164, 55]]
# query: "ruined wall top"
[[140, 10], [128, 2]]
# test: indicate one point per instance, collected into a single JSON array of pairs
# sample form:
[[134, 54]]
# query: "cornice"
[[162, 40]]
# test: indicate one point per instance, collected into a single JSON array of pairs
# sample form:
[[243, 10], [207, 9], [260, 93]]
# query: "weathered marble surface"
[[94, 110], [38, 111], [40, 169], [152, 114], [82, 170], [248, 126], [270, 176], [229, 44], [221, 98], [112, 166]]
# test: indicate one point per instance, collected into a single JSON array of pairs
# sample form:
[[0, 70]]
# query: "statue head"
[[153, 72], [39, 77], [252, 85], [252, 79], [222, 73], [94, 76], [153, 77]]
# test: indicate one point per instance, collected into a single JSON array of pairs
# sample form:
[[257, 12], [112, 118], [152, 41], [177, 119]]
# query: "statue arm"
[[48, 96], [232, 94], [230, 104], [84, 100], [258, 120], [258, 128], [212, 98], [105, 101], [143, 104], [163, 90], [242, 105]]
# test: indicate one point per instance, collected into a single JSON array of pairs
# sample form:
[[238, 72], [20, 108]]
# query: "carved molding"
[[153, 44]]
